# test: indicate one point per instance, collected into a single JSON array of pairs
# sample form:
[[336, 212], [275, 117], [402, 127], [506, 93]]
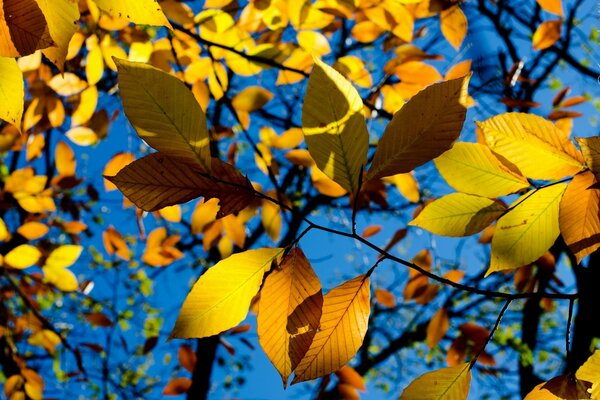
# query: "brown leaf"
[[99, 319], [437, 327], [158, 181], [385, 298], [177, 386], [25, 29], [187, 357]]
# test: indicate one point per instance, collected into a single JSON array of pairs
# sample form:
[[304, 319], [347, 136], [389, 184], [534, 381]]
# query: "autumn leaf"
[[437, 327], [552, 6], [142, 12], [342, 328], [547, 34], [422, 129], [12, 91], [62, 18], [528, 230], [472, 168], [157, 181], [562, 387], [453, 24], [458, 214], [220, 299], [22, 256], [187, 358], [407, 185], [334, 127], [114, 165], [252, 98], [590, 148], [580, 215], [177, 386], [534, 145], [23, 28], [289, 312], [164, 112], [590, 372], [444, 384]]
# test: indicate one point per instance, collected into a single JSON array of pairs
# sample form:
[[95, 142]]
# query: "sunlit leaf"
[[590, 148], [289, 312], [23, 28], [63, 256], [33, 230], [252, 98], [12, 91], [444, 384], [528, 230], [82, 136], [177, 386], [62, 17], [385, 298], [164, 112], [424, 128], [534, 145], [590, 372], [113, 166], [546, 34], [552, 6], [115, 244], [407, 185], [580, 215], [220, 299], [437, 327], [157, 181], [342, 328], [562, 387], [142, 12], [22, 256], [453, 24], [334, 126], [472, 168]]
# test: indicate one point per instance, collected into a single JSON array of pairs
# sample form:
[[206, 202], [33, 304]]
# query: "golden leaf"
[[444, 384]]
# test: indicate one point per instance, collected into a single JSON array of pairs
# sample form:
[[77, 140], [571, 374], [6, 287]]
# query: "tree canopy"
[[392, 196]]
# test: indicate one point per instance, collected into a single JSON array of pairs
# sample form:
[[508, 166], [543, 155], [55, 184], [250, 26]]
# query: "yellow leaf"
[[4, 233], [31, 62], [271, 219], [437, 327], [324, 184], [366, 31], [82, 136], [204, 213], [220, 299], [552, 6], [590, 148], [115, 244], [444, 384], [580, 215], [289, 312], [46, 339], [35, 145], [562, 387], [534, 145], [407, 185], [156, 181], [178, 12], [547, 34], [458, 214], [528, 230], [472, 168], [62, 278], [118, 162], [342, 328], [141, 12], [171, 213], [22, 256], [458, 70], [141, 51], [164, 113], [160, 249], [12, 91], [590, 372], [67, 84], [453, 24], [23, 28], [62, 17], [94, 65], [418, 73], [421, 130], [354, 69], [288, 139], [64, 158], [334, 126], [314, 42], [63, 256], [33, 230], [252, 98]]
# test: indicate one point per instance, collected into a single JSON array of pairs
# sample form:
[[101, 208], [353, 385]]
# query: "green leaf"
[[472, 168], [528, 230], [220, 299], [334, 126], [458, 214], [164, 112], [422, 129]]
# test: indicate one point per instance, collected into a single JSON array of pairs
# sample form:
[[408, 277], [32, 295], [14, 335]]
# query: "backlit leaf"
[[157, 181], [472, 168], [534, 145], [187, 358], [115, 244], [528, 230], [422, 129], [334, 126], [220, 299], [546, 34], [348, 375], [590, 148], [342, 328], [142, 12], [118, 162], [164, 112], [580, 215], [177, 386], [63, 256], [385, 298], [590, 372], [289, 312], [23, 28], [62, 17], [453, 24], [437, 327], [33, 230], [407, 185], [458, 214], [444, 384], [252, 98], [22, 256], [12, 91], [562, 387], [552, 6], [82, 136]]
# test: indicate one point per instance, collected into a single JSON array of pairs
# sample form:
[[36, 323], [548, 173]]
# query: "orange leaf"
[[437, 327], [547, 34], [385, 298], [371, 231], [115, 164], [187, 357], [348, 375], [177, 386], [453, 24]]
